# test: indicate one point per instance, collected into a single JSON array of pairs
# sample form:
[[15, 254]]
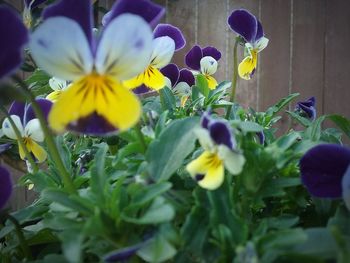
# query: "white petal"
[[182, 88], [60, 47], [125, 48], [208, 65], [233, 161], [204, 139], [57, 84], [261, 44], [34, 131], [168, 82], [163, 51], [7, 127]]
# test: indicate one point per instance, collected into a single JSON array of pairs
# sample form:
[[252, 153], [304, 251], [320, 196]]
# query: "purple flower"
[[323, 168], [204, 61], [307, 108], [250, 29], [5, 186], [15, 37]]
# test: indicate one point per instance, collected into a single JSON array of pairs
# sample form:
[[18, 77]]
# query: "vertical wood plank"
[[337, 63], [182, 13], [309, 45], [275, 59], [212, 28], [246, 93]]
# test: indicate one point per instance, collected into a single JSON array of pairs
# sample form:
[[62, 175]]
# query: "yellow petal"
[[183, 100], [38, 151], [53, 96], [96, 94], [208, 170], [248, 65], [21, 152], [212, 83], [151, 77]]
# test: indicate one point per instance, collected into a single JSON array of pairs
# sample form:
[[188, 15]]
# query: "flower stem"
[[140, 137], [234, 78], [22, 241], [51, 145], [20, 140]]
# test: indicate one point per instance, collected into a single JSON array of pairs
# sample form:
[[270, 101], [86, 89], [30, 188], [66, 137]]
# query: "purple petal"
[[345, 185], [322, 169], [141, 90], [261, 137], [5, 186], [308, 107], [205, 120], [244, 24], [149, 11], [122, 254], [211, 51], [193, 58], [186, 76], [172, 32], [171, 71], [35, 4], [4, 147], [221, 133], [14, 38], [45, 106], [259, 32], [78, 10], [18, 108], [93, 124]]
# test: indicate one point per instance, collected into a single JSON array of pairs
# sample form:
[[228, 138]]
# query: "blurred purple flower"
[[307, 108], [5, 186]]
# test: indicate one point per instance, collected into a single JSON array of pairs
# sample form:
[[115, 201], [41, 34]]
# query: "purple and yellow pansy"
[[220, 152], [250, 29]]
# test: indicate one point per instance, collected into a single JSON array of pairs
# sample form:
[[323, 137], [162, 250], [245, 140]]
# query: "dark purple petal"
[[5, 186], [307, 107], [220, 133], [193, 57], [78, 10], [172, 32], [322, 169], [149, 11], [18, 108], [122, 254], [244, 24], [186, 76], [261, 137], [141, 90], [205, 120], [345, 185], [93, 124], [4, 147], [34, 4], [259, 32], [45, 106], [211, 51], [14, 38], [171, 71]]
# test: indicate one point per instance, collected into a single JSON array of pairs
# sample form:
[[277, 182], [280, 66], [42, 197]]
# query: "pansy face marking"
[[220, 152], [96, 102], [250, 29]]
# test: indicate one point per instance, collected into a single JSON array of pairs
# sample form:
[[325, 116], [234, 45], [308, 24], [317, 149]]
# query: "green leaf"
[[272, 111], [72, 241], [161, 122], [157, 250], [167, 99], [249, 126], [167, 153], [202, 85], [342, 122], [303, 121], [98, 177], [126, 151], [65, 153], [150, 193]]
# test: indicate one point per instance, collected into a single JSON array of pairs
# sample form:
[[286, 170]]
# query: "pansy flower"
[[204, 61], [15, 37], [29, 127], [96, 102], [250, 29], [167, 40], [307, 108], [180, 81], [58, 86], [5, 186], [325, 171], [220, 152]]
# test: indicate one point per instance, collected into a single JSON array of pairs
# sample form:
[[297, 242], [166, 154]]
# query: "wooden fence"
[[308, 50]]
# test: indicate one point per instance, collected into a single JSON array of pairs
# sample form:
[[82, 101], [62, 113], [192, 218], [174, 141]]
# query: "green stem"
[[50, 142], [140, 137], [20, 140], [22, 241], [234, 78]]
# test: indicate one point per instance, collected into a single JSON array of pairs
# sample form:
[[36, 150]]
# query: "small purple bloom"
[[4, 147], [261, 137], [149, 11], [176, 76], [221, 133], [123, 254], [307, 108], [15, 37], [172, 32], [196, 53], [322, 169], [5, 186]]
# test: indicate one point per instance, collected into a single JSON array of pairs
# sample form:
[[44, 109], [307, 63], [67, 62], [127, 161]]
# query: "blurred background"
[[308, 50]]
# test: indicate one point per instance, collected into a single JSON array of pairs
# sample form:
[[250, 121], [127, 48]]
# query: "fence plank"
[[308, 49], [247, 90], [337, 63]]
